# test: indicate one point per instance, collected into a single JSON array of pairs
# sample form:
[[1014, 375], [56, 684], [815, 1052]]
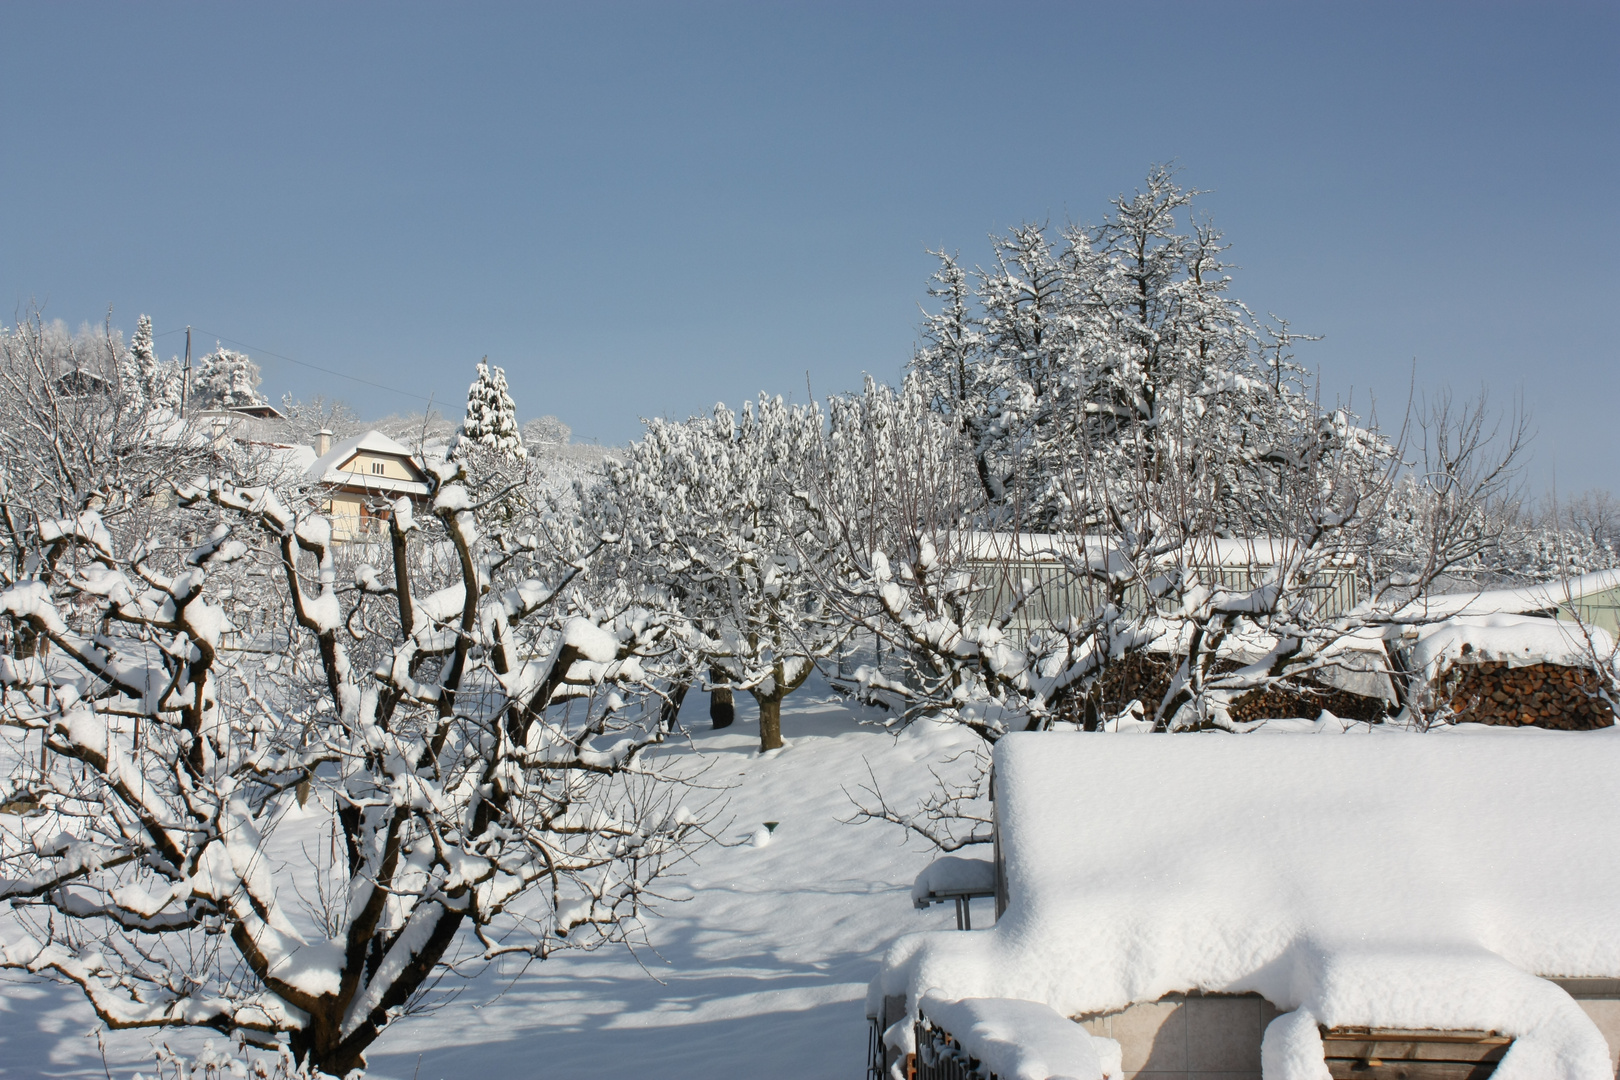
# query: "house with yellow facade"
[[364, 476]]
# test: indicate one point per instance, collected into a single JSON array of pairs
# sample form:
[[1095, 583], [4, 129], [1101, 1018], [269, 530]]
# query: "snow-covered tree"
[[1113, 338], [303, 421], [548, 430], [1000, 627], [131, 381], [492, 415], [1594, 514], [417, 430], [142, 376], [246, 795], [225, 379], [718, 513], [1558, 539]]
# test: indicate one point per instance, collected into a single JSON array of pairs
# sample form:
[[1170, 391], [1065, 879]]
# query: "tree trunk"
[[770, 722], [721, 709], [669, 715]]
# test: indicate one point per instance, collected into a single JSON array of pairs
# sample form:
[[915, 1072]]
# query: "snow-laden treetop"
[[1397, 880]]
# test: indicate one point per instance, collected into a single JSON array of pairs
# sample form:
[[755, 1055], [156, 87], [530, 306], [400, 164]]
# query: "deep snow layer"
[[764, 966]]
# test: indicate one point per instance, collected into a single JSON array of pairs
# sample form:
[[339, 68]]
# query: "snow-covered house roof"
[[334, 466], [281, 461], [1393, 881]]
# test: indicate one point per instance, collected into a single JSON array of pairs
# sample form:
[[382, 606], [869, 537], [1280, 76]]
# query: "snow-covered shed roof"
[[1516, 640], [329, 467], [1518, 601], [1392, 880]]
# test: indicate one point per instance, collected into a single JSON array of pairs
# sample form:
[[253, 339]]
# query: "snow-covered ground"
[[760, 970]]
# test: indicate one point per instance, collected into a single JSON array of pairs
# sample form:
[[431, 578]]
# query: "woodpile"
[[1145, 677], [1540, 695], [1142, 676], [1307, 699]]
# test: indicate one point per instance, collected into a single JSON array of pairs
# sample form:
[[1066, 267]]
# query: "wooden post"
[[185, 380]]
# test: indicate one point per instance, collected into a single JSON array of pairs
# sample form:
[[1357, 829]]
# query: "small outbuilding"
[[1286, 906]]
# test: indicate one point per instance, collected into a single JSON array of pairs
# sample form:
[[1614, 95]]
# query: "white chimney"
[[323, 442]]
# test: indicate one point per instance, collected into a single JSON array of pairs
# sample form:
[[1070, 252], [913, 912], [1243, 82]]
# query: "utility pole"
[[185, 384]]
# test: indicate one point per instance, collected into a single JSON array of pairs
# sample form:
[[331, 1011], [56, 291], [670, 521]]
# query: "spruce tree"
[[491, 419]]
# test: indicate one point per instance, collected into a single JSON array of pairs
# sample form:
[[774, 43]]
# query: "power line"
[[313, 367]]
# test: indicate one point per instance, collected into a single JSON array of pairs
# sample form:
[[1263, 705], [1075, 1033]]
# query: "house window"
[[372, 519], [377, 467]]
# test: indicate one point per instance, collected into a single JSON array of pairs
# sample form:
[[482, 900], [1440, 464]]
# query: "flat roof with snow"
[[1391, 880]]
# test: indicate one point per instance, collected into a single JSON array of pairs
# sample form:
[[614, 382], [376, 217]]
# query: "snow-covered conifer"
[[492, 415], [133, 362], [225, 379], [159, 381]]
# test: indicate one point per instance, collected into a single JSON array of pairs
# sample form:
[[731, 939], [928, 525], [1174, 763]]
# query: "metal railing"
[[941, 1057], [874, 1049]]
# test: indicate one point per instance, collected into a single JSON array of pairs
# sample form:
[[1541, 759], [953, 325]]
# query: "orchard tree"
[[719, 513], [1003, 629], [246, 795], [548, 431], [303, 421]]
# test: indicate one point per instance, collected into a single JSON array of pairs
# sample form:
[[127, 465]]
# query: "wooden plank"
[[1410, 1070], [1415, 1049], [1414, 1034], [1371, 1053]]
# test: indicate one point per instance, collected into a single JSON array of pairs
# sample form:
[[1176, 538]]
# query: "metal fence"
[[874, 1048], [1058, 595]]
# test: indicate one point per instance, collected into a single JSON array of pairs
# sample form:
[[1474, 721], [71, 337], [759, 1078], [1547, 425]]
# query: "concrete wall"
[[344, 510], [1189, 1036], [1600, 998], [1217, 1036]]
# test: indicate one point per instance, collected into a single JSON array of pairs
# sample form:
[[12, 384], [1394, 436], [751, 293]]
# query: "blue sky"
[[642, 209]]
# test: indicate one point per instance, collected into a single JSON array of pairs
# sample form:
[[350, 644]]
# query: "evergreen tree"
[[143, 376], [492, 415], [226, 380], [130, 384]]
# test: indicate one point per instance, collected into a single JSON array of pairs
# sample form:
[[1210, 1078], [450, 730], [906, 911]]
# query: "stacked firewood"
[[1145, 677], [1543, 695], [1308, 700], [1140, 676]]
